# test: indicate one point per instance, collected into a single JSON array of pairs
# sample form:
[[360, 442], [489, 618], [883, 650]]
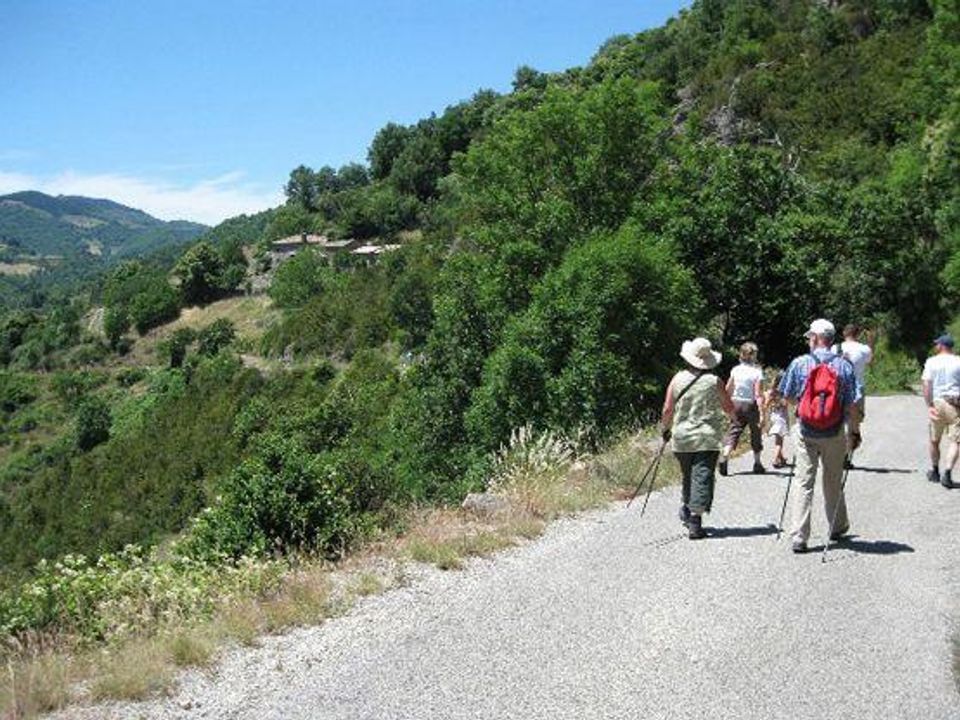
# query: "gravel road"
[[613, 616]]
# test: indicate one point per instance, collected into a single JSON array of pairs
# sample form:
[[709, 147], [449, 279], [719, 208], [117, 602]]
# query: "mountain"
[[35, 225]]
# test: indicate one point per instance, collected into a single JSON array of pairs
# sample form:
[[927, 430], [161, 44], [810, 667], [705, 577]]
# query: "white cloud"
[[207, 201]]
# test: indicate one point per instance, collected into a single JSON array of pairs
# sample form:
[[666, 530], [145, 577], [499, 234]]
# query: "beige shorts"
[[948, 421]]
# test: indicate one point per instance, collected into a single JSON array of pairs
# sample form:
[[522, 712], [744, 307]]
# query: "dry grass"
[[133, 671], [36, 684], [18, 268], [191, 648], [250, 315], [367, 583]]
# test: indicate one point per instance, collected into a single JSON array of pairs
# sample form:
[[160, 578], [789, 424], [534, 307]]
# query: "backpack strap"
[[696, 376]]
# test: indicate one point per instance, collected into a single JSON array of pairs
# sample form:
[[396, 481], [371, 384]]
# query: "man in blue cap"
[[941, 390]]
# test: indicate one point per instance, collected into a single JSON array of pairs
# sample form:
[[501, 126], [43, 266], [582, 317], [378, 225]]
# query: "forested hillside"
[[747, 167], [52, 244]]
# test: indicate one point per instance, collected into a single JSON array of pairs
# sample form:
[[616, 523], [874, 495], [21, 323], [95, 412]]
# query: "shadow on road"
[[883, 471], [736, 532], [868, 547]]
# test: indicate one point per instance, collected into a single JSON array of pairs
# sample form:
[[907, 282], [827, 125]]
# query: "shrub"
[[92, 423], [216, 336], [300, 278], [16, 391], [281, 499]]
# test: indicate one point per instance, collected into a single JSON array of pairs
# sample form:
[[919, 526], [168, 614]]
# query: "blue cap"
[[946, 340]]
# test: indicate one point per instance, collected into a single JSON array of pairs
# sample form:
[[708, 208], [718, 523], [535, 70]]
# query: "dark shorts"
[[745, 414], [698, 479]]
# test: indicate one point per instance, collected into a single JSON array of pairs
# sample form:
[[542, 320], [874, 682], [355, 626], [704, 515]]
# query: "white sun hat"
[[700, 353], [821, 327]]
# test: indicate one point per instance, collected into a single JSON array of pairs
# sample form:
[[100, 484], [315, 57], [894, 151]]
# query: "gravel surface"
[[614, 616]]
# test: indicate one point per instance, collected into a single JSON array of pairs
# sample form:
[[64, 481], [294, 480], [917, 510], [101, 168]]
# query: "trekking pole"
[[783, 510], [650, 469], [836, 509], [653, 478]]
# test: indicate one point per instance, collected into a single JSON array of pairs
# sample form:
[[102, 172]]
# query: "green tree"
[[386, 147], [302, 188], [199, 271], [596, 344], [155, 305], [116, 322]]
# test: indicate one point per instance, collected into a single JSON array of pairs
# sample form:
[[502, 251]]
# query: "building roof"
[[309, 239], [374, 249]]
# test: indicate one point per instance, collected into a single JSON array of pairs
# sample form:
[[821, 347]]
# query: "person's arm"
[[725, 402], [928, 398], [759, 395], [729, 385], [791, 386], [666, 417]]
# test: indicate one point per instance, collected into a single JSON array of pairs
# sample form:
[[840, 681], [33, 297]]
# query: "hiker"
[[941, 390], [778, 417], [693, 415], [860, 355], [823, 386], [745, 387]]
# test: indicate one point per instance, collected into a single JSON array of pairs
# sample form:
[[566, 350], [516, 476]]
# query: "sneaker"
[[684, 515], [933, 475], [723, 467], [946, 480], [759, 469], [799, 547], [695, 527]]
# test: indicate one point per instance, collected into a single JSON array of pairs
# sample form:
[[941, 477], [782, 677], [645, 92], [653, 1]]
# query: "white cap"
[[821, 327]]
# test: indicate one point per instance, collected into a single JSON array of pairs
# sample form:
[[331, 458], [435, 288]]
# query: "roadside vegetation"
[[176, 449]]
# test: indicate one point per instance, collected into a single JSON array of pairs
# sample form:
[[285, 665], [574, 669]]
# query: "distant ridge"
[[36, 224]]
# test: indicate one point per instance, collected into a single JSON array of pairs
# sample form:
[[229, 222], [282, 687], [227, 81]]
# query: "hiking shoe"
[[723, 467], [933, 475], [759, 469], [695, 528], [946, 480], [799, 547], [684, 515]]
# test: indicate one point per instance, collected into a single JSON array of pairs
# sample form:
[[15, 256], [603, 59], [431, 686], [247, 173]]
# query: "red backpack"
[[821, 407]]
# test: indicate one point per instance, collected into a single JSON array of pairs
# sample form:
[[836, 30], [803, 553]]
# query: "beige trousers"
[[811, 452]]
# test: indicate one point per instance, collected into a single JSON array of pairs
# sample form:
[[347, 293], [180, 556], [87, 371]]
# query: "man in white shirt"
[[860, 355], [941, 390]]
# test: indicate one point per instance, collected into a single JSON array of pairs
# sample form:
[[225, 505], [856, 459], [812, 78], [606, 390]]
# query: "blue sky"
[[199, 109]]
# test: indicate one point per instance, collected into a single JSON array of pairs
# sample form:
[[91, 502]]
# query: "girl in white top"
[[745, 388], [779, 420]]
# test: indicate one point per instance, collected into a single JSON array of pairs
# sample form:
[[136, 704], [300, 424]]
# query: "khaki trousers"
[[828, 452]]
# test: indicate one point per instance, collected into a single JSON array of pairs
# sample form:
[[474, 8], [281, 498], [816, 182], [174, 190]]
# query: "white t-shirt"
[[942, 371], [858, 354], [745, 378]]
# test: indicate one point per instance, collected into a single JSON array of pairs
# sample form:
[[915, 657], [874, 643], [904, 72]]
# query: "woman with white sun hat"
[[693, 416]]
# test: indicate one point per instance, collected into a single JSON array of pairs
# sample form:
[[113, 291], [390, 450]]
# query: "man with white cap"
[[823, 386], [941, 390]]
